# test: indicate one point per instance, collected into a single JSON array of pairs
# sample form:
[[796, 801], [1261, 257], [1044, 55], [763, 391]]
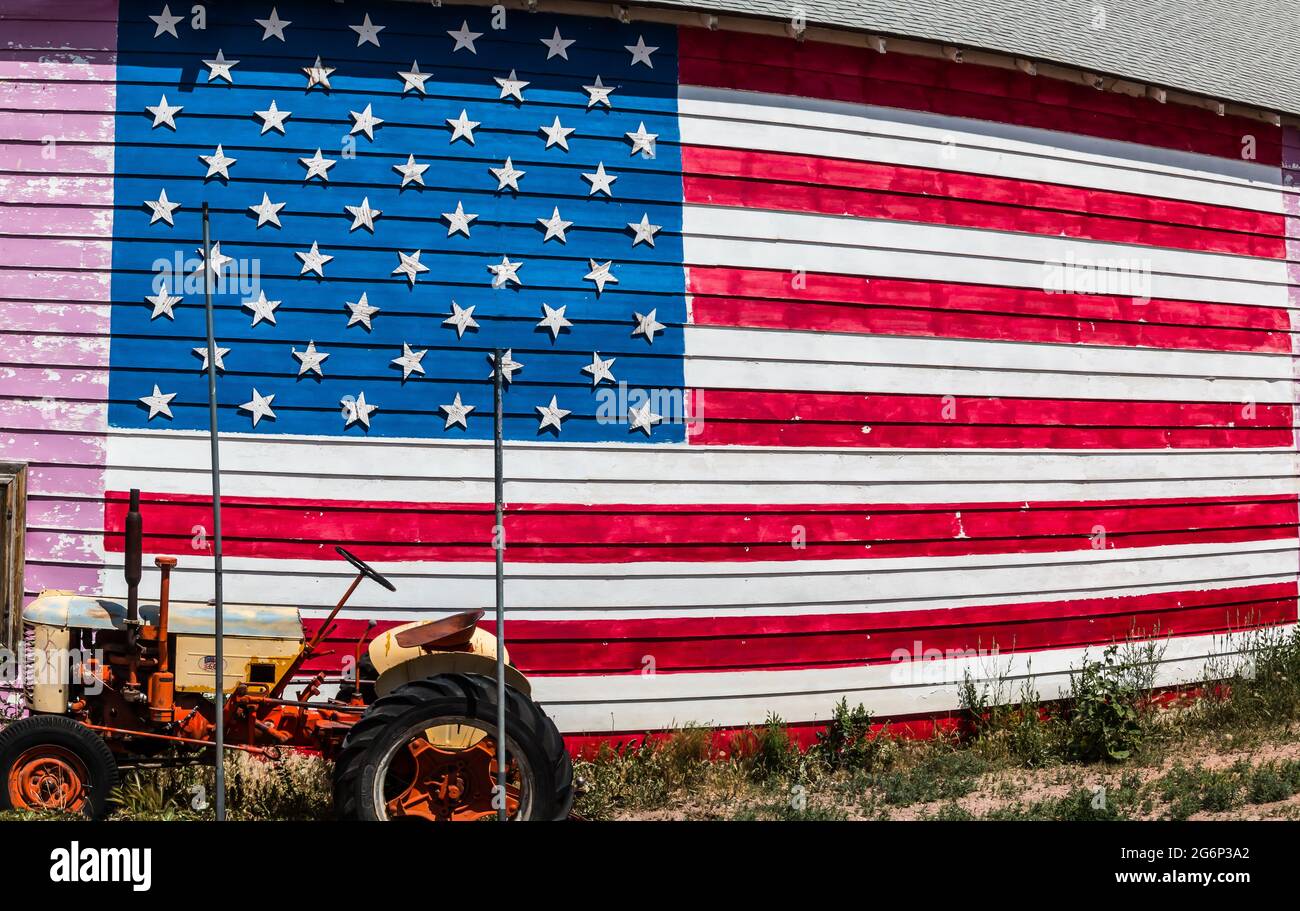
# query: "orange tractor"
[[412, 730]]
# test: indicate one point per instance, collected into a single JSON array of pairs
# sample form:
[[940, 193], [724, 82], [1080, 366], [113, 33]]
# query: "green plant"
[[148, 797], [1109, 702], [769, 752], [1024, 731], [847, 742]]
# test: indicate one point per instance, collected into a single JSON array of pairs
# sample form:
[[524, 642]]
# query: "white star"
[[268, 211], [159, 402], [600, 181], [220, 67], [462, 127], [551, 415], [414, 79], [162, 209], [647, 325], [309, 359], [357, 411], [642, 418], [273, 27], [599, 93], [555, 226], [507, 176], [410, 266], [202, 352], [505, 272], [508, 366], [640, 52], [162, 304], [553, 320], [273, 118], [363, 215], [317, 166], [411, 171], [461, 318], [164, 113], [465, 38], [367, 33], [599, 369], [365, 122], [458, 220], [313, 260], [259, 406], [557, 46], [361, 312], [218, 163], [456, 413], [262, 308], [511, 86], [645, 232], [410, 361], [166, 23], [557, 134], [643, 141], [219, 260], [601, 275], [318, 73]]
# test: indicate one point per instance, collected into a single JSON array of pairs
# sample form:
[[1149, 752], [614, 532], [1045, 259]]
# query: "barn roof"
[[1247, 51]]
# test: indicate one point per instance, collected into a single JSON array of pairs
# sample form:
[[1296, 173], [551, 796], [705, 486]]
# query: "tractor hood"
[[65, 609]]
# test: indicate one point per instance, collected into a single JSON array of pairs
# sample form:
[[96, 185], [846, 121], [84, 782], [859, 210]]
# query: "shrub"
[[848, 744], [1109, 701]]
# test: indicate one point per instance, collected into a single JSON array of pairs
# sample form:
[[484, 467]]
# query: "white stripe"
[[777, 123], [729, 358], [590, 591], [439, 471], [640, 702], [763, 239]]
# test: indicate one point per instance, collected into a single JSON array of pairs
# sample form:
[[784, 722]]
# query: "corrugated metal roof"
[[1246, 51]]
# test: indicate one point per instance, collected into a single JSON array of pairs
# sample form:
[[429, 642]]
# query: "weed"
[[1109, 704]]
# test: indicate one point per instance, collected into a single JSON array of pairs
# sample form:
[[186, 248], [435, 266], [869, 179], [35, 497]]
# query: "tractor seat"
[[448, 633]]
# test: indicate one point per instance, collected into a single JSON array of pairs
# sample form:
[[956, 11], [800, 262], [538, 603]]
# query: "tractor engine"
[[150, 667]]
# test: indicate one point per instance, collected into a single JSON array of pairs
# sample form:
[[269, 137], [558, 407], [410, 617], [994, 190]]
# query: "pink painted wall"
[[57, 80]]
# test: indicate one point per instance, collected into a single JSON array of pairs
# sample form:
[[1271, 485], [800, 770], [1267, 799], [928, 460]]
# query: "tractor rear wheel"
[[428, 750], [53, 763]]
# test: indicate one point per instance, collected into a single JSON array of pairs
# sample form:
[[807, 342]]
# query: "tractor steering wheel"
[[365, 568]]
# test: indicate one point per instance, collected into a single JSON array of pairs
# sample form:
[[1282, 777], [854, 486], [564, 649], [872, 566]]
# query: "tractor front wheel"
[[428, 750], [52, 763]]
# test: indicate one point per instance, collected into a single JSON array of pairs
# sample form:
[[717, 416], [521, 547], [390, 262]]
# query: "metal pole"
[[500, 535], [219, 762]]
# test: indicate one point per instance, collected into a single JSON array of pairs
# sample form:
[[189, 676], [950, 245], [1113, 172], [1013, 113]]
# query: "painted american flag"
[[891, 411]]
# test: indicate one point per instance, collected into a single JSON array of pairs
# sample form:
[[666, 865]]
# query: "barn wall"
[[899, 439]]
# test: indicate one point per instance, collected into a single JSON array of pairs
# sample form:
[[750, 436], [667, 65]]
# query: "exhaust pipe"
[[134, 557]]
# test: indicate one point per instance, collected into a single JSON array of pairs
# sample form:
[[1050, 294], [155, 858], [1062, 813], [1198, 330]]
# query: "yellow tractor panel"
[[247, 660]]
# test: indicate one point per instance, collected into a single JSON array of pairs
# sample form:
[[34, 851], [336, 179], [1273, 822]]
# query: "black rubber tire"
[[89, 747], [444, 695]]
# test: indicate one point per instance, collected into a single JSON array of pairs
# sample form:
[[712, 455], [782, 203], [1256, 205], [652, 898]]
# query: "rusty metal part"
[[447, 784], [171, 738], [447, 633], [164, 565], [48, 777]]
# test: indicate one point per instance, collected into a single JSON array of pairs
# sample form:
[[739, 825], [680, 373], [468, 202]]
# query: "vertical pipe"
[[218, 630], [133, 557], [500, 535]]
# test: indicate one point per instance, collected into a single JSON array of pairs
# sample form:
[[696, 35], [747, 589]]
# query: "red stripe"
[[836, 186], [763, 418], [886, 306], [457, 532], [766, 643], [761, 63]]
